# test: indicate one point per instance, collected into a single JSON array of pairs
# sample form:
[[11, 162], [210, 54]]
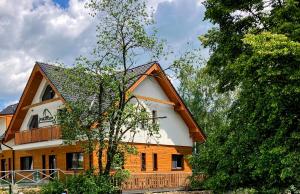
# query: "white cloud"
[[153, 4], [38, 30]]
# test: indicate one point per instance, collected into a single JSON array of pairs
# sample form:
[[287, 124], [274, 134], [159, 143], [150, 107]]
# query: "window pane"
[[143, 162], [154, 116], [34, 122], [48, 94], [26, 163], [154, 162], [74, 161], [177, 161]]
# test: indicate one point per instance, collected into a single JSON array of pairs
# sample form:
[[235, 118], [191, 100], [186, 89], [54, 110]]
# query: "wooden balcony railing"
[[37, 135]]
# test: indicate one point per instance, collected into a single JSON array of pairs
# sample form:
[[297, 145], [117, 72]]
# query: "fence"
[[31, 177], [145, 181], [137, 181]]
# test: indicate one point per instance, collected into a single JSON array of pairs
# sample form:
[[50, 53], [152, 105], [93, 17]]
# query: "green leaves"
[[259, 146], [100, 114], [255, 53]]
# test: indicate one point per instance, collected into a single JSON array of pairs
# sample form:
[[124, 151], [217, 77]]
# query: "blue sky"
[[62, 3], [61, 30]]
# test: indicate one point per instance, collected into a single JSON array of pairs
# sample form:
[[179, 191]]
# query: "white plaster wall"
[[150, 88], [2, 125], [173, 129], [38, 110], [10, 143]]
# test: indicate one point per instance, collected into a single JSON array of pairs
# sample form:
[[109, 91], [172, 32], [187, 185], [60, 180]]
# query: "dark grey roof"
[[53, 71], [9, 110]]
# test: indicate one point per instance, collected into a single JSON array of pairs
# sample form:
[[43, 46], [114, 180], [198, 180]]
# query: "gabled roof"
[[50, 72], [9, 110]]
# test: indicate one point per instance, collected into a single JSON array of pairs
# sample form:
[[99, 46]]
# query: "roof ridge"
[[54, 65]]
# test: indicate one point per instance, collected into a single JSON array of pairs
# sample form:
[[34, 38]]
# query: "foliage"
[[81, 184], [199, 91], [234, 19], [101, 114], [255, 53], [260, 146], [53, 187]]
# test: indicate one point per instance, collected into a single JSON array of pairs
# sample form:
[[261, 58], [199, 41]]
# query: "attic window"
[[48, 93]]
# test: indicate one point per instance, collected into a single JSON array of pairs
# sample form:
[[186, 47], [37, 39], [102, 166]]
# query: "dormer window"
[[34, 122], [48, 93]]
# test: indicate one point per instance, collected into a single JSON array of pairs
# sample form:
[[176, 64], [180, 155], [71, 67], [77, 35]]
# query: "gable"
[[166, 94], [172, 128], [42, 108], [174, 99], [27, 100]]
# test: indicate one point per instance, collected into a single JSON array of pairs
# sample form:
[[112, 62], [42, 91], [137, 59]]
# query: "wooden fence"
[[138, 181], [147, 181]]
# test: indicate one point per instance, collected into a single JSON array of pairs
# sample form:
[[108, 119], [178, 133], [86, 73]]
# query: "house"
[[6, 116], [33, 141]]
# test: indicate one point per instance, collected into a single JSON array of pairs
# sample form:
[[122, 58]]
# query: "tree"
[[234, 19], [259, 148], [210, 108], [255, 53], [101, 114]]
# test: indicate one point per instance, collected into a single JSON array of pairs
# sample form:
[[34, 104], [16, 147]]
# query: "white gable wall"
[[173, 129], [150, 88], [38, 110]]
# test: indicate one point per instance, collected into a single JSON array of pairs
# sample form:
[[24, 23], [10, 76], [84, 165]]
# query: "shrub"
[[54, 187], [85, 184]]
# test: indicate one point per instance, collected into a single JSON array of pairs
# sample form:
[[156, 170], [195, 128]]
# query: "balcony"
[[38, 135]]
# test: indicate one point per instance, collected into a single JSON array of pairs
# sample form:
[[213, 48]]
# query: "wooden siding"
[[164, 158], [37, 135], [60, 153], [163, 177]]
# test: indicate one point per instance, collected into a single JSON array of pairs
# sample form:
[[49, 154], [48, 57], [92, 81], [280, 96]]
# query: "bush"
[[84, 184], [53, 187]]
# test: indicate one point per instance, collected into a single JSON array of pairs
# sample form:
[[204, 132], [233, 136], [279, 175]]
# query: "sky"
[[60, 30]]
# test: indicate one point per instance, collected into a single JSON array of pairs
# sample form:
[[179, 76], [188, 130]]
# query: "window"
[[143, 122], [48, 93], [74, 161], [34, 122], [154, 162], [177, 162], [154, 116], [26, 163], [143, 162]]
